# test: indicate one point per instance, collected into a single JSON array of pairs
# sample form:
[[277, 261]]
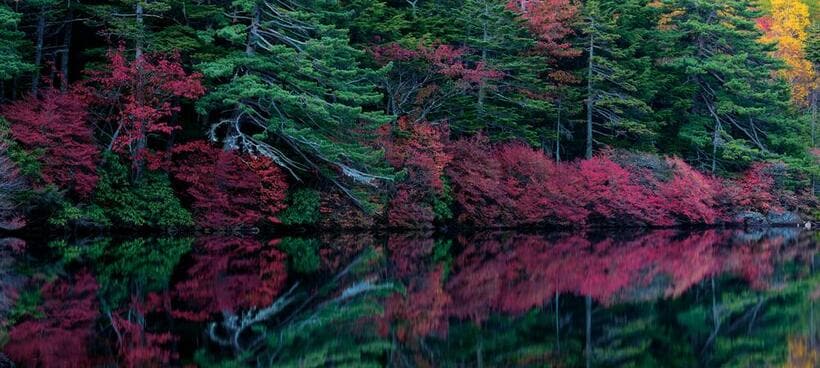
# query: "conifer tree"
[[292, 88], [611, 104], [12, 62], [733, 104]]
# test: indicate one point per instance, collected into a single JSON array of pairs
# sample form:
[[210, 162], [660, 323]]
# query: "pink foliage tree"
[[420, 149], [56, 125], [143, 94], [226, 189]]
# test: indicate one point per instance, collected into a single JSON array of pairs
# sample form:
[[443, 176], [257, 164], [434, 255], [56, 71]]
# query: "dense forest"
[[155, 114]]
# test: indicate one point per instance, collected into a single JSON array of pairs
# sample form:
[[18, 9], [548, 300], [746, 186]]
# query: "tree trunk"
[[482, 90], [141, 143], [814, 93], [66, 50], [590, 97], [588, 345], [233, 129], [38, 49], [139, 42]]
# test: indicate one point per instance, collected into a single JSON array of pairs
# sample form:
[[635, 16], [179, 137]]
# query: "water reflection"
[[661, 298]]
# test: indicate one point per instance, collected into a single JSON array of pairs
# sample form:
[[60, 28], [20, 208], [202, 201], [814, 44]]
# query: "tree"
[[56, 125], [611, 102], [226, 189], [11, 185], [787, 28], [733, 103], [63, 337], [138, 98], [296, 93], [11, 40]]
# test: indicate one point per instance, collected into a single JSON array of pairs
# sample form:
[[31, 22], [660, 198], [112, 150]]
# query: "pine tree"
[[734, 107], [516, 103], [292, 89], [11, 41], [611, 102]]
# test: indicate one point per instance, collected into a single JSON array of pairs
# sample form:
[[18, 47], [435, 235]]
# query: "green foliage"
[[727, 101], [303, 254], [443, 203], [303, 208], [149, 202], [300, 97], [11, 42], [69, 215], [137, 267]]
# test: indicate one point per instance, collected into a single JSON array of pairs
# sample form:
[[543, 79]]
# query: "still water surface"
[[716, 298]]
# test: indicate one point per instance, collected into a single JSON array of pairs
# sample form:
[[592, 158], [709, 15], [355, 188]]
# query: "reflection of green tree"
[[332, 326], [747, 328], [132, 267]]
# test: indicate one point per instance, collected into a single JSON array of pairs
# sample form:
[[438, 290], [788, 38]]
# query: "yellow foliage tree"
[[787, 27]]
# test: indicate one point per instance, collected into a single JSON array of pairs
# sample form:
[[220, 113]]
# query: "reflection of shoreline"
[[512, 273]]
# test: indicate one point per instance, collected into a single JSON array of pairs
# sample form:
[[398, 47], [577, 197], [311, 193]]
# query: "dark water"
[[654, 299]]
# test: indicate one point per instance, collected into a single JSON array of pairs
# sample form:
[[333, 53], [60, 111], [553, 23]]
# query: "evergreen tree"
[[612, 104], [734, 107], [515, 104], [12, 62], [292, 89]]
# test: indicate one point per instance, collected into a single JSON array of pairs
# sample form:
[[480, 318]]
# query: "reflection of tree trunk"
[[588, 348], [715, 319], [479, 353], [557, 324]]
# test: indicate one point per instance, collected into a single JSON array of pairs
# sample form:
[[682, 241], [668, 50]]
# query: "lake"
[[664, 298]]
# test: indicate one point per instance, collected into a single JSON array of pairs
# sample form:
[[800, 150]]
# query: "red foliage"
[[753, 191], [689, 195], [476, 180], [229, 274], [420, 149], [446, 60], [420, 313], [764, 23], [140, 348], [338, 211], [226, 189], [143, 94], [550, 21], [61, 338], [56, 123]]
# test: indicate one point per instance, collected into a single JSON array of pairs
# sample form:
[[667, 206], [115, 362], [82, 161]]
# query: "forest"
[[416, 114]]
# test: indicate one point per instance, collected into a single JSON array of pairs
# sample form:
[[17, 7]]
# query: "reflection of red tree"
[[136, 346], [423, 311], [517, 273], [61, 337], [229, 274]]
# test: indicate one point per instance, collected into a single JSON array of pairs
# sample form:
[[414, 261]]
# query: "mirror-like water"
[[657, 299]]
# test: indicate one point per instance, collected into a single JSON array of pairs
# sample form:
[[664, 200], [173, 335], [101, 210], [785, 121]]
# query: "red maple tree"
[[143, 94], [226, 189], [56, 125]]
